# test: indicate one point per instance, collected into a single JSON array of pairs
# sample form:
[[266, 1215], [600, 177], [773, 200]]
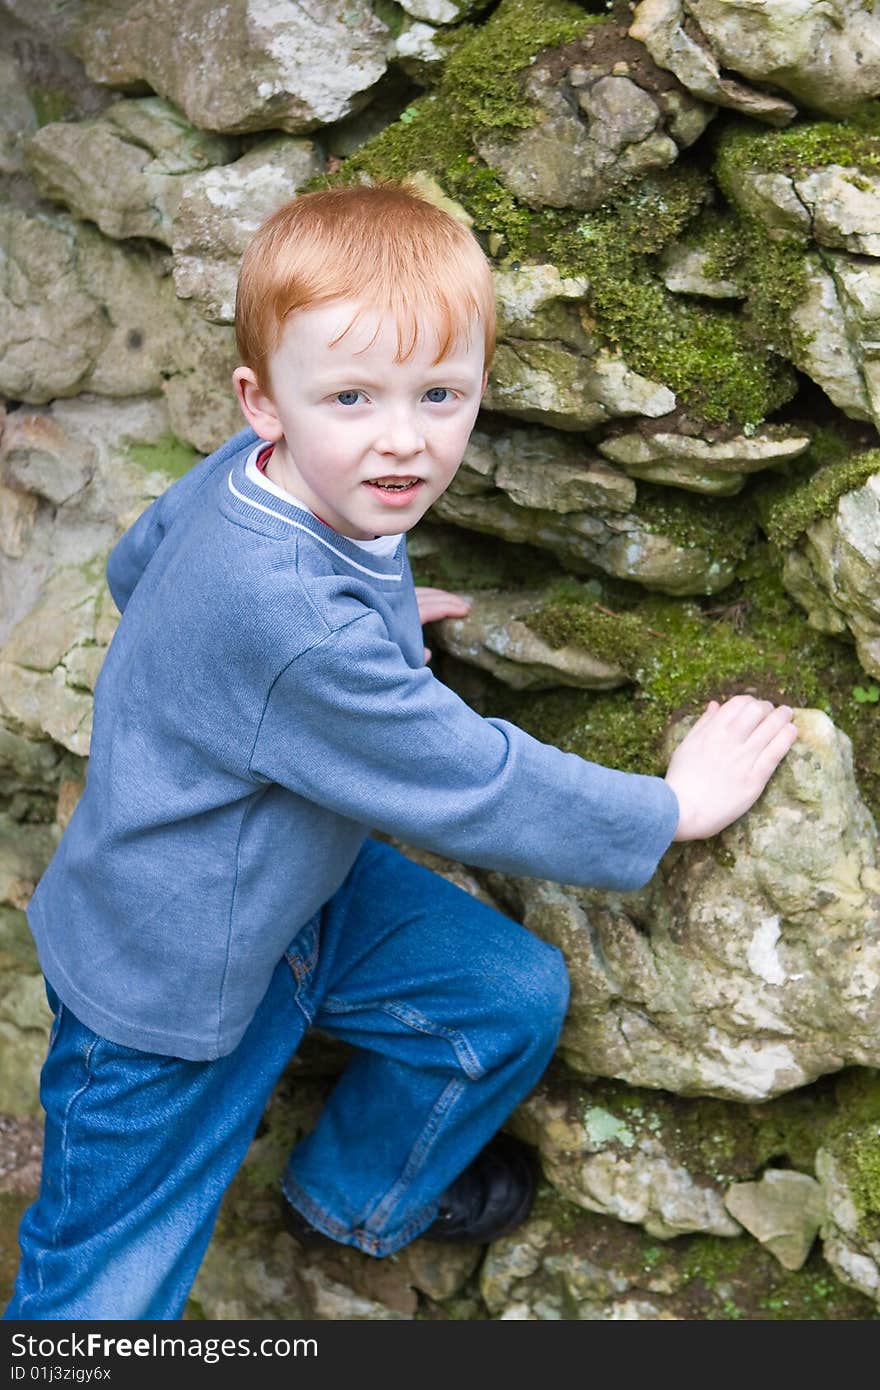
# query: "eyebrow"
[[436, 378]]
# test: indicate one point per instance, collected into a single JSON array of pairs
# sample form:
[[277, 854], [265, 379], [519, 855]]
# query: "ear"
[[485, 381], [256, 407]]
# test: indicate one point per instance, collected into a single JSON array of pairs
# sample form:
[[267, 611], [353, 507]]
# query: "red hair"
[[383, 245]]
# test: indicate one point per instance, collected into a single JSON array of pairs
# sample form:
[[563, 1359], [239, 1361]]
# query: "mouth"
[[394, 489], [392, 484]]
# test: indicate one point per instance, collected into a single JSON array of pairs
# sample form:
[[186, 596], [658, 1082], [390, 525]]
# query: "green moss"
[[391, 15], [167, 455], [717, 238], [853, 1139], [683, 653], [691, 520], [788, 507], [481, 77], [49, 105], [568, 618], [802, 146], [707, 354]]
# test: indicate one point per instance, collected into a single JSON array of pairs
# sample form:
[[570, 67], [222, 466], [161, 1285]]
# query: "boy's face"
[[348, 417]]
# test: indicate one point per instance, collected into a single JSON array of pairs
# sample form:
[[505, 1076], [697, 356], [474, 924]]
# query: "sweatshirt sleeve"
[[351, 726], [134, 550]]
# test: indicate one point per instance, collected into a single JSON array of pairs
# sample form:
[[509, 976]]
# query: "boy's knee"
[[544, 990], [555, 988]]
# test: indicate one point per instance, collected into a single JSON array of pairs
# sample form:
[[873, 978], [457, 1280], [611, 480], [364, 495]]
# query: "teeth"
[[396, 485]]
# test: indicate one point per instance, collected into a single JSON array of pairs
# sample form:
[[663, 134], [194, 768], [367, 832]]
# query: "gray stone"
[[622, 546], [750, 964], [783, 1211], [834, 205], [620, 1161], [835, 571], [219, 211], [661, 25], [81, 313], [826, 57], [18, 119], [823, 345], [550, 366], [595, 129], [683, 271], [439, 11], [716, 466], [495, 638], [849, 1244], [124, 169], [254, 65]]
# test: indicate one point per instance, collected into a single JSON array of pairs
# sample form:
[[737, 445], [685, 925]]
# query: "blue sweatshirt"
[[263, 705]]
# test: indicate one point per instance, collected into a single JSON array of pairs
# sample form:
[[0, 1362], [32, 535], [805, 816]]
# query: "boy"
[[264, 705]]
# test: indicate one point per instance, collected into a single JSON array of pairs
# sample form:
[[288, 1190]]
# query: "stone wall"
[[672, 493]]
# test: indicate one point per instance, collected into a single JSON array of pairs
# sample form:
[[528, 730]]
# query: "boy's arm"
[[132, 553], [350, 726]]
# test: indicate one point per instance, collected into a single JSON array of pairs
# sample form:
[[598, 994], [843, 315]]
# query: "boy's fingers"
[[770, 757], [744, 717], [765, 731]]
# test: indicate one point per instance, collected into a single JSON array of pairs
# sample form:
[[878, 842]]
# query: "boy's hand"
[[437, 603], [725, 761]]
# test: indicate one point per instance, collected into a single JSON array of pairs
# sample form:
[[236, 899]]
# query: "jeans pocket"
[[302, 957]]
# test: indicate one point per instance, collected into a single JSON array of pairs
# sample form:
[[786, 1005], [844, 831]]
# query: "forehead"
[[344, 329]]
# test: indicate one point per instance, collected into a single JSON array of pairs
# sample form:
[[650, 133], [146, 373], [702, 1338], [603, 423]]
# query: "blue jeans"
[[455, 1011]]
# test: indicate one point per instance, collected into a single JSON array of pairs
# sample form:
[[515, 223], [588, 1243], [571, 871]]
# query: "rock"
[[219, 211], [421, 50], [92, 466], [548, 384], [662, 26], [494, 638], [536, 302], [617, 1155], [857, 282], [88, 467], [114, 325], [826, 345], [539, 468], [252, 66], [596, 127], [25, 1016], [835, 571], [440, 11], [835, 205], [108, 315], [566, 1264], [124, 169], [716, 466], [18, 119], [827, 59], [683, 271], [503, 482], [550, 365], [50, 662], [846, 1166], [783, 1211], [750, 964]]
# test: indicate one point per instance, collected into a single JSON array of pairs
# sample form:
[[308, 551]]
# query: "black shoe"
[[308, 1236], [491, 1197]]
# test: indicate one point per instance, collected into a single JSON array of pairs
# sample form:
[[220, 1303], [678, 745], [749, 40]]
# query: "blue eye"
[[340, 394], [437, 388]]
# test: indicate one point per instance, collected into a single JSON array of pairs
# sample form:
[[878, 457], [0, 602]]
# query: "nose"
[[400, 435]]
